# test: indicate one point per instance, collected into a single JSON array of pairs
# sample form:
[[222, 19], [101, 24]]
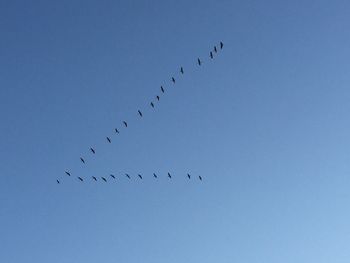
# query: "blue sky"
[[266, 124]]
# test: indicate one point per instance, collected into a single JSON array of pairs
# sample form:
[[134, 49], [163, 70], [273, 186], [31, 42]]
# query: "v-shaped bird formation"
[[124, 125]]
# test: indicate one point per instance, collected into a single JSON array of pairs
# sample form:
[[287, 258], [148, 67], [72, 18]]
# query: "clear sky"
[[266, 124]]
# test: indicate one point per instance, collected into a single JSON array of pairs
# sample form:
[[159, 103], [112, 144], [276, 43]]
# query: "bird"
[[182, 70], [158, 98], [140, 176], [169, 175], [154, 175], [108, 139], [162, 89], [221, 45], [104, 179], [58, 181], [92, 150], [173, 80], [200, 178], [111, 175], [116, 130], [82, 160], [127, 176], [189, 176], [81, 179], [140, 113], [215, 50], [152, 104], [125, 123], [67, 173], [93, 177], [211, 55], [199, 61]]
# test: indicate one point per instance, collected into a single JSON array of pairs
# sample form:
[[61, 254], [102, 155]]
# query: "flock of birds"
[[139, 112]]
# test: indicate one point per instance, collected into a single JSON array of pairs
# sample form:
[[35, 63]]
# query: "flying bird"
[[140, 176], [199, 61], [58, 181], [169, 175], [189, 176], [81, 179], [215, 49], [162, 89], [140, 113], [158, 98], [116, 130], [93, 177], [92, 150], [211, 55], [221, 45], [173, 80], [67, 173], [125, 123], [154, 175], [127, 176], [108, 139], [182, 70], [104, 179], [82, 160], [200, 178], [111, 175], [152, 104]]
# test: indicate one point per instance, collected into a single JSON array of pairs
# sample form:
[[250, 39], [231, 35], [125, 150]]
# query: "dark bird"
[[108, 139], [158, 98], [215, 49], [189, 176], [200, 178], [140, 176], [81, 179], [199, 61], [221, 45], [58, 181], [112, 175], [169, 175], [125, 123], [154, 175], [93, 177], [162, 89], [67, 173], [211, 55], [104, 179], [152, 104], [173, 80], [140, 113], [92, 150], [182, 70], [116, 130], [127, 176], [82, 160]]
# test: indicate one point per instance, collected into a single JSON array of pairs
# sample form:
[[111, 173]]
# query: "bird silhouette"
[[108, 139], [81, 179], [189, 176], [67, 173], [152, 104], [92, 150], [82, 160], [199, 61], [211, 55], [158, 98], [221, 45], [140, 113], [182, 70], [200, 178], [127, 176], [112, 175], [140, 176], [173, 80], [116, 130], [58, 181], [162, 89], [169, 175], [215, 49], [104, 179], [125, 123], [93, 177], [154, 175]]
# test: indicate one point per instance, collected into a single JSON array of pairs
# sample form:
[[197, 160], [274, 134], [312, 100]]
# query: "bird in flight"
[[127, 176], [199, 61], [154, 175], [169, 175], [211, 55], [116, 130], [58, 181], [189, 176], [182, 70], [82, 160], [108, 139], [92, 150], [125, 123], [93, 177], [162, 89], [152, 104], [112, 175], [158, 98], [140, 113], [173, 80], [221, 45], [200, 178], [104, 179], [215, 49], [140, 176], [81, 179], [67, 173]]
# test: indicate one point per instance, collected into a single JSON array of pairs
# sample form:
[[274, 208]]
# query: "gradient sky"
[[266, 124]]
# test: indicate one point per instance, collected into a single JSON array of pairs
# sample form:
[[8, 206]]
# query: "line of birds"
[[152, 104], [112, 176]]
